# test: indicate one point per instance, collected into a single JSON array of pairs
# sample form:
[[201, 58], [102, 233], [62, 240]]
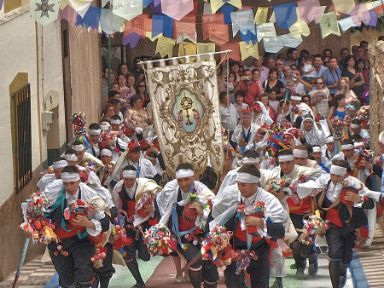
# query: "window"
[[21, 136]]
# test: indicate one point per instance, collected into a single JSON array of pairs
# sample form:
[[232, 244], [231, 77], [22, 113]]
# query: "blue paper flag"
[[227, 9], [1, 4], [162, 24], [91, 18], [249, 37], [146, 3], [285, 15], [131, 39]]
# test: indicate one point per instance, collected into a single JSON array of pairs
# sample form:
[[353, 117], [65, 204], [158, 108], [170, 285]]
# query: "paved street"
[[365, 270]]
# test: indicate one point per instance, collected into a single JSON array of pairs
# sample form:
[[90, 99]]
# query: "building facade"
[[47, 73]]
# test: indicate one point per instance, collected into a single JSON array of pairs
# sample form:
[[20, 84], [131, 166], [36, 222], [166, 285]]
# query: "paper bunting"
[[207, 8], [69, 15], [146, 3], [176, 9], [344, 6], [248, 37], [261, 15], [319, 14], [373, 19], [347, 23], [360, 13], [226, 10], [273, 45], [272, 19], [217, 4], [205, 48], [63, 4], [242, 21], [139, 25], [285, 15], [248, 50], [127, 9], [186, 48], [234, 46], [104, 3], [265, 30], [44, 11], [218, 34], [308, 9], [162, 24], [185, 31], [91, 19], [290, 40], [329, 25], [165, 47], [211, 20], [80, 6], [131, 39], [300, 28], [109, 22]]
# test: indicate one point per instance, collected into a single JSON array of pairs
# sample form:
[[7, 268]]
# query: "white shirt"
[[248, 202], [131, 191], [228, 116]]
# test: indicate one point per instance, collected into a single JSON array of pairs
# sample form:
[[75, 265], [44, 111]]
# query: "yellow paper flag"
[[272, 19], [216, 4], [300, 27], [165, 47], [186, 48], [261, 15], [344, 6], [63, 4], [329, 25], [204, 48], [249, 50]]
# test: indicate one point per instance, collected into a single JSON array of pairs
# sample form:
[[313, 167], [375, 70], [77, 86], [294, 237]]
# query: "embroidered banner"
[[186, 113]]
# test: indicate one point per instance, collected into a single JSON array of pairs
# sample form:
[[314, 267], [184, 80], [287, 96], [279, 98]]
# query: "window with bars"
[[22, 136]]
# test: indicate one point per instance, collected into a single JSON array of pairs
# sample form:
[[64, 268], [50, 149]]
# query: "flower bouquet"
[[216, 247], [159, 241], [35, 224]]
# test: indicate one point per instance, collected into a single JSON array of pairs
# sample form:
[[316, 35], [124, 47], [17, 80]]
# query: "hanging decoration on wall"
[[329, 25], [176, 20], [127, 9], [44, 11]]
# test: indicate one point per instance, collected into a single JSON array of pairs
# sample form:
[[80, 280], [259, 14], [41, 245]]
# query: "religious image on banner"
[[186, 112]]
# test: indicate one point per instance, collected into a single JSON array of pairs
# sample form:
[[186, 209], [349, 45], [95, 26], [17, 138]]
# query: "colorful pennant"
[[176, 9], [261, 15], [128, 9], [249, 50], [329, 25], [285, 15], [217, 4], [242, 21], [165, 47]]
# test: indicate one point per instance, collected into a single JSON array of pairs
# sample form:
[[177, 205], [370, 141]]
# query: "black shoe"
[[343, 280]]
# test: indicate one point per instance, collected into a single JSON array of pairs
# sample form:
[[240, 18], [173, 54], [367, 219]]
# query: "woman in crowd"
[[137, 114], [273, 84]]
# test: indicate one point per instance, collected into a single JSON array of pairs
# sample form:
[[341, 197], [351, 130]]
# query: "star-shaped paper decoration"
[[44, 7]]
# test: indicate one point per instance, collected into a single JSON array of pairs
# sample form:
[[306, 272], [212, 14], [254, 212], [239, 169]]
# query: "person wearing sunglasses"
[[319, 98]]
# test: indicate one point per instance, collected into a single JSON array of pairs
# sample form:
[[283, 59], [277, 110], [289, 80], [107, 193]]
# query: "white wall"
[[18, 54]]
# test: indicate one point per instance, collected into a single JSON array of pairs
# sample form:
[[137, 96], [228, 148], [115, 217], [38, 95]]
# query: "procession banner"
[[186, 112]]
